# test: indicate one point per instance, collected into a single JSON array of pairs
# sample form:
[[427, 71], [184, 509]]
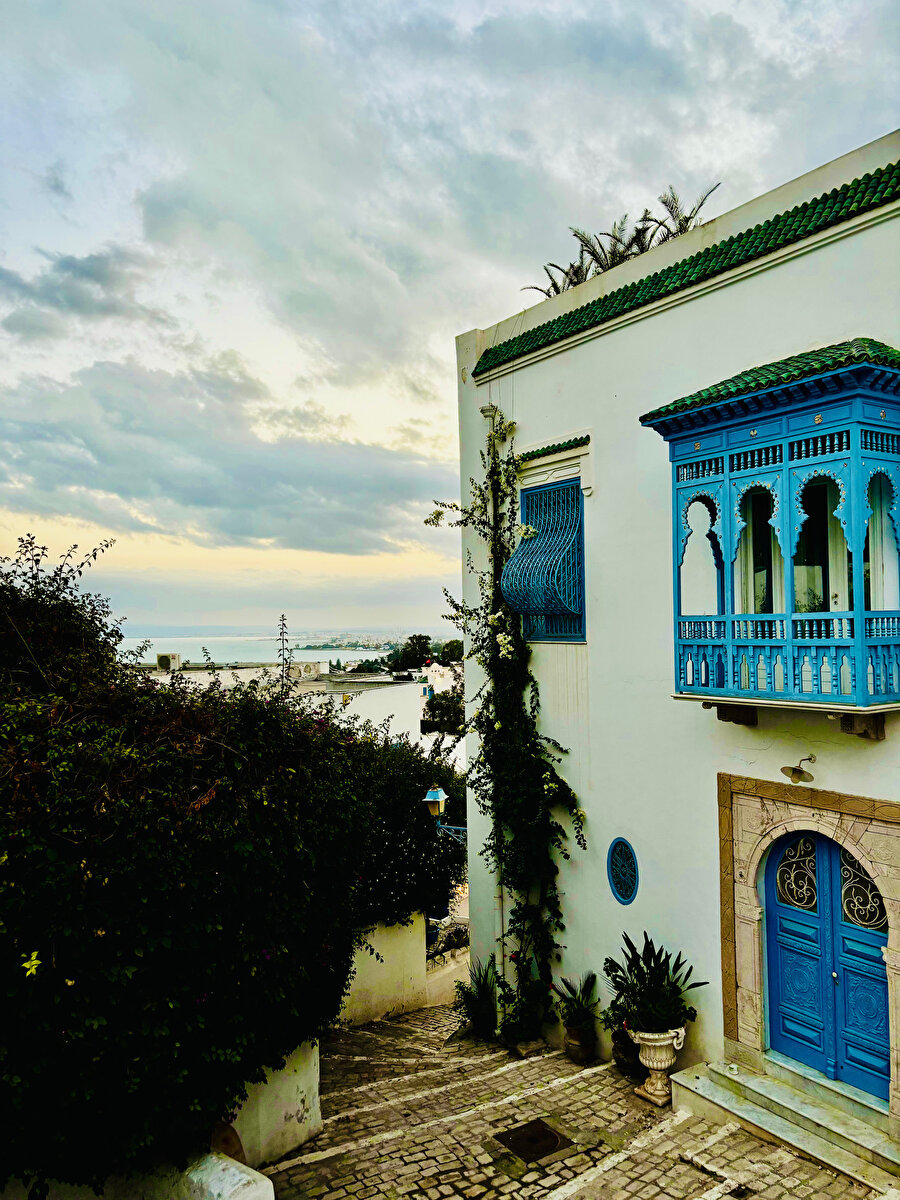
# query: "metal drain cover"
[[533, 1141]]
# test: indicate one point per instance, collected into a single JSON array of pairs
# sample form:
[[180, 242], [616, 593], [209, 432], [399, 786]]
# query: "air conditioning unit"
[[168, 662]]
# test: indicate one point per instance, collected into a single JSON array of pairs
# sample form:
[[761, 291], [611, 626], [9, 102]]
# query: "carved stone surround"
[[754, 813]]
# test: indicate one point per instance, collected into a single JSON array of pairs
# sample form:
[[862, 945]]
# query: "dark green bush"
[[184, 874], [649, 989], [476, 1001], [445, 711]]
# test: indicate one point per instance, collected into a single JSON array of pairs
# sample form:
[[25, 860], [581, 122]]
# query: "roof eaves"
[[554, 448], [783, 374], [859, 196]]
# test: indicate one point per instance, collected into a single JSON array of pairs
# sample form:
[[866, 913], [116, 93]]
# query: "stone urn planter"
[[657, 1052]]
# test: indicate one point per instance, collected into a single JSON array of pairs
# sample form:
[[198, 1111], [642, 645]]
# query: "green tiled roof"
[[555, 448], [840, 204], [785, 371]]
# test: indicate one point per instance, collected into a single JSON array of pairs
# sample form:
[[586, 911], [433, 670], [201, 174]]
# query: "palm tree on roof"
[[677, 219], [599, 252], [606, 255], [562, 278]]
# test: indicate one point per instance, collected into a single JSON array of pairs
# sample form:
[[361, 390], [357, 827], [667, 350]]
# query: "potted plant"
[[576, 1006], [624, 1051], [476, 1001], [650, 1003]]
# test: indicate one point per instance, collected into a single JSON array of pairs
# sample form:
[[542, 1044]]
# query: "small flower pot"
[[580, 1044], [625, 1056], [657, 1052]]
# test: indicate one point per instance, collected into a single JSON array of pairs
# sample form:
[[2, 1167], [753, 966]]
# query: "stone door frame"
[[753, 814]]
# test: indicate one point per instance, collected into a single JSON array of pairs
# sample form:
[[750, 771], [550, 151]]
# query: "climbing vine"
[[514, 775]]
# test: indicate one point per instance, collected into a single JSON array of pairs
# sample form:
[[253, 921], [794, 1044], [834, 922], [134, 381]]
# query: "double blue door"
[[825, 926]]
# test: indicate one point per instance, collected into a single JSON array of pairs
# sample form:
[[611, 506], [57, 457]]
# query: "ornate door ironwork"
[[827, 982]]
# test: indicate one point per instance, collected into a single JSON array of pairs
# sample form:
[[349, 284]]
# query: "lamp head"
[[436, 799], [797, 774]]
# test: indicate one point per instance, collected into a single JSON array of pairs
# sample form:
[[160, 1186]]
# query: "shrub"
[[183, 879], [476, 1001], [445, 711], [576, 1003], [405, 866], [649, 989]]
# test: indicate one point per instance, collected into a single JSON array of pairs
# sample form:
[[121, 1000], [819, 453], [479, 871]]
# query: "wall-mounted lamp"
[[797, 774], [436, 799], [489, 411]]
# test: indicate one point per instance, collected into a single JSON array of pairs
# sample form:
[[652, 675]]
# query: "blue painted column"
[[856, 540]]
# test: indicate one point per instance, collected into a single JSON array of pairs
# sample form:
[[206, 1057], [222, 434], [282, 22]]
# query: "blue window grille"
[[622, 870], [544, 577]]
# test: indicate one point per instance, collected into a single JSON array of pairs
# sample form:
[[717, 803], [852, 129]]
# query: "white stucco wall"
[[399, 703], [283, 1112], [394, 985], [643, 764], [212, 1177]]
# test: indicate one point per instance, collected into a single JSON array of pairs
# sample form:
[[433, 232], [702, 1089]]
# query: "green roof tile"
[[840, 204], [785, 371], [555, 448]]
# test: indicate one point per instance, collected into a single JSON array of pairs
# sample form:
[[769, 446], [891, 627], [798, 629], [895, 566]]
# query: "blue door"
[[825, 926]]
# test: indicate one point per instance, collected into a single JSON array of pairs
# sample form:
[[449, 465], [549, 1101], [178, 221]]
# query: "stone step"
[[694, 1090], [869, 1109], [813, 1112]]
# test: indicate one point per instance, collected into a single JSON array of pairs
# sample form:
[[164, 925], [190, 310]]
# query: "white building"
[[762, 346]]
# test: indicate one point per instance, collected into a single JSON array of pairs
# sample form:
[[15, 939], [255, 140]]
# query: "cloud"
[[209, 455], [407, 598], [33, 324], [92, 287], [330, 192], [55, 182]]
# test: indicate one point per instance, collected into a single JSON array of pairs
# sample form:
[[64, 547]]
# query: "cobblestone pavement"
[[409, 1115]]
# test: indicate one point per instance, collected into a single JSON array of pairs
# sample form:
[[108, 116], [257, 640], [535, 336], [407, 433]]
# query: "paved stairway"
[[408, 1114]]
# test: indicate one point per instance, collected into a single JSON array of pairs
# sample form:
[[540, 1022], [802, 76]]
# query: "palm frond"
[[599, 252], [700, 201]]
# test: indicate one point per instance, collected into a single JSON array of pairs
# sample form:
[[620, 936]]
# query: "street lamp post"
[[436, 799]]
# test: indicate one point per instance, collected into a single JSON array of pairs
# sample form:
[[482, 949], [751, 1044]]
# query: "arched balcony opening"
[[881, 562], [702, 590], [759, 563], [823, 575]]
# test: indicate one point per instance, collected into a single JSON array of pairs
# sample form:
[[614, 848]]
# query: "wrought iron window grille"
[[544, 577], [622, 870]]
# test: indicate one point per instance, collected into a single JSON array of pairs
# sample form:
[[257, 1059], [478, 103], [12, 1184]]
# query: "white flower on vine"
[[525, 532], [497, 725]]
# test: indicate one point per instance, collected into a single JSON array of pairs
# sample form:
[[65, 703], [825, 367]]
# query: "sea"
[[247, 649]]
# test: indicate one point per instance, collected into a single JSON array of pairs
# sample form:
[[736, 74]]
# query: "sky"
[[238, 239]]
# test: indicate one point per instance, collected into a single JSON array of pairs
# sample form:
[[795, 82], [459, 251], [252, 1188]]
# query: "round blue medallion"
[[622, 871]]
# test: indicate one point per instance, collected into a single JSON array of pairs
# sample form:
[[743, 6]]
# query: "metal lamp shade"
[[436, 799]]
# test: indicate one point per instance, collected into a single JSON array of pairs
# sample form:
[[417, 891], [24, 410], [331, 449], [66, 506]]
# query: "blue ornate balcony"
[[786, 486]]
